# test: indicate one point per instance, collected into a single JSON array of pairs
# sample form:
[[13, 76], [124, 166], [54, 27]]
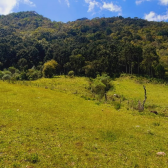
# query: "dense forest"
[[88, 47]]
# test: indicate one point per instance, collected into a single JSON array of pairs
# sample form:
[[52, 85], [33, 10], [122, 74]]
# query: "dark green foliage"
[[1, 74], [12, 69], [160, 71], [88, 47], [33, 74]]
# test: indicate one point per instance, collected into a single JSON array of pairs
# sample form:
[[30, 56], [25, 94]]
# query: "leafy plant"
[[33, 158], [101, 84], [71, 74], [49, 69]]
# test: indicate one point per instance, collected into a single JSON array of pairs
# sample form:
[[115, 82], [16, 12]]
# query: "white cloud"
[[111, 7], [7, 6], [152, 16], [92, 4], [28, 2], [164, 2], [138, 2], [108, 6]]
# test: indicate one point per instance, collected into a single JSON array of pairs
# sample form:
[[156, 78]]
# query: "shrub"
[[12, 69], [23, 76], [49, 69], [71, 74], [6, 77], [16, 76], [5, 72], [33, 74], [101, 84], [98, 87]]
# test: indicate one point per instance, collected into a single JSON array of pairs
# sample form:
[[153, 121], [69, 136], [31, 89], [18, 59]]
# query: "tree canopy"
[[88, 47]]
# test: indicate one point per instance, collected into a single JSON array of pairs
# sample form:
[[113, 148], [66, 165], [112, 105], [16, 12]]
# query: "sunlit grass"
[[132, 89], [54, 127]]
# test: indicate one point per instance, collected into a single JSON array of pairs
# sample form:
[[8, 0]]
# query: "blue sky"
[[70, 10]]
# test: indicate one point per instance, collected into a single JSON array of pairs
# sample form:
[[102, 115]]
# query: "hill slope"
[[88, 47], [49, 128]]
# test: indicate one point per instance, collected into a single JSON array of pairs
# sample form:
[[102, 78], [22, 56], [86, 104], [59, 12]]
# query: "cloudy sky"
[[70, 10]]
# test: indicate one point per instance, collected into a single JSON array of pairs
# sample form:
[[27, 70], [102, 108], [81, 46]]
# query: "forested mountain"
[[88, 47]]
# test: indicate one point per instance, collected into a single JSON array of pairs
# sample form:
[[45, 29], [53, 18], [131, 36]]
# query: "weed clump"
[[71, 74], [109, 136], [117, 105], [33, 158]]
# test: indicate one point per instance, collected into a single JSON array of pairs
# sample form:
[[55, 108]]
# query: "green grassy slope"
[[53, 127], [132, 89]]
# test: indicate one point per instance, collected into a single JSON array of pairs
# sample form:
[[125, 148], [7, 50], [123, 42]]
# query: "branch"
[[145, 97]]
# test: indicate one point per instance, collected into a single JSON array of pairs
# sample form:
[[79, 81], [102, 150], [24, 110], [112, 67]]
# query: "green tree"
[[160, 71], [150, 60], [50, 68], [76, 63]]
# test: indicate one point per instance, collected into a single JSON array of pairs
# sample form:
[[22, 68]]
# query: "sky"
[[71, 10]]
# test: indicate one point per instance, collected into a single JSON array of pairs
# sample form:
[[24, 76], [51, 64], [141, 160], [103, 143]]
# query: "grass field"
[[56, 123]]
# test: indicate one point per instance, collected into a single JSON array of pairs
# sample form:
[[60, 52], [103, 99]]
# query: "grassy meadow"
[[59, 123]]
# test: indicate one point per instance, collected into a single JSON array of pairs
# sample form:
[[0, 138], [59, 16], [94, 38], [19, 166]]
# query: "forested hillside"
[[88, 47]]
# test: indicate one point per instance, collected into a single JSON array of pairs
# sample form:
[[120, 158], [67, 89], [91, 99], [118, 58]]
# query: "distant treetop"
[[84, 18]]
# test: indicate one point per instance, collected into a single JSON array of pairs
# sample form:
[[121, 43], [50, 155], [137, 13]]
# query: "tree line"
[[116, 45]]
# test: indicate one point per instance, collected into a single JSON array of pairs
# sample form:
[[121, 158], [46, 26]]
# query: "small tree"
[[50, 68], [71, 74]]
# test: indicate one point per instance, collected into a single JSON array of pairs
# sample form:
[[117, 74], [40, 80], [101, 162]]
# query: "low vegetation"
[[59, 123]]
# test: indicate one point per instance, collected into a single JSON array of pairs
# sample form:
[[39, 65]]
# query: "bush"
[[49, 69], [33, 74], [6, 77], [5, 72], [23, 76], [16, 76], [71, 74], [98, 87], [12, 69], [101, 85]]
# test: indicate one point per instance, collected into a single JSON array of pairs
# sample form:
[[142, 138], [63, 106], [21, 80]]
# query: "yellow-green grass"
[[132, 89], [42, 127]]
